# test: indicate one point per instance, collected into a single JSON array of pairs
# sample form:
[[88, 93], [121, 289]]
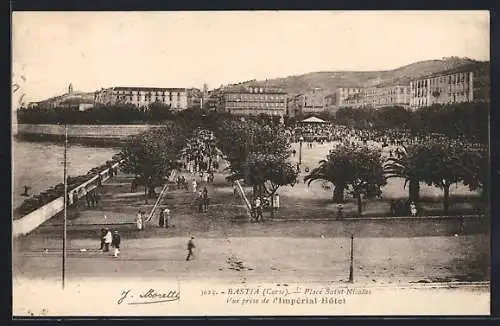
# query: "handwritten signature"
[[149, 296]]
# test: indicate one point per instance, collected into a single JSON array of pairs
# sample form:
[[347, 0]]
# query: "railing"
[[163, 191], [245, 199], [31, 221]]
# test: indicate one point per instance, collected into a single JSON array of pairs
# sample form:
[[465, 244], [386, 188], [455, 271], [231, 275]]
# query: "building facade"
[[331, 101], [464, 84], [251, 101], [353, 101], [346, 93], [176, 98], [376, 97], [307, 103], [194, 98]]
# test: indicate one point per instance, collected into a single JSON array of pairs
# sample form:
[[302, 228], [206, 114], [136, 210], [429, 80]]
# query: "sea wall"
[[31, 221], [53, 131]]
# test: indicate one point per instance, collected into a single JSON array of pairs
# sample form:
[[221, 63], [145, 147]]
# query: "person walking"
[[103, 235], [190, 247], [88, 199], [205, 199], [167, 217], [115, 243], [200, 201], [276, 204], [161, 219], [340, 209], [108, 238], [139, 221], [235, 190], [413, 209], [258, 209], [96, 197], [194, 184]]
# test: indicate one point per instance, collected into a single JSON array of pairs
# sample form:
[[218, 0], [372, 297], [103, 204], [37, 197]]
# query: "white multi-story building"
[[176, 98], [464, 84]]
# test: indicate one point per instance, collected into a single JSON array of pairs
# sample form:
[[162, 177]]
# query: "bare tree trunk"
[[414, 191], [272, 205], [360, 204], [338, 194], [446, 198]]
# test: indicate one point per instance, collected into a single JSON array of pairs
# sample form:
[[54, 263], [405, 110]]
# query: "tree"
[[159, 111], [267, 172], [406, 166], [357, 169], [442, 164], [151, 155], [237, 139], [391, 117], [474, 160]]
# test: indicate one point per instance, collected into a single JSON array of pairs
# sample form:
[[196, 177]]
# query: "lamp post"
[[351, 261], [301, 139]]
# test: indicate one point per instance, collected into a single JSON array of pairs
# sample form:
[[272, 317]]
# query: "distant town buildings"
[[71, 100], [331, 102], [397, 95], [244, 100], [464, 84], [177, 98], [344, 94], [310, 102], [377, 97]]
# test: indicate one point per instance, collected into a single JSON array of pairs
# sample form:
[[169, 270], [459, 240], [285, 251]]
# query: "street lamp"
[[301, 139]]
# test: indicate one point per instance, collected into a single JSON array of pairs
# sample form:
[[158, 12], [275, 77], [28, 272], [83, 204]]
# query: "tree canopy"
[[356, 169], [153, 154]]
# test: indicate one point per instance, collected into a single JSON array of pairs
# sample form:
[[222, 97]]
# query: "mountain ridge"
[[329, 81]]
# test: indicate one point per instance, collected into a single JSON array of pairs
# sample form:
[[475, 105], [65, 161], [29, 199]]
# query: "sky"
[[93, 50]]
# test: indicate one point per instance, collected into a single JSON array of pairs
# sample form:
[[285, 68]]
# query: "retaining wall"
[[31, 221], [82, 131]]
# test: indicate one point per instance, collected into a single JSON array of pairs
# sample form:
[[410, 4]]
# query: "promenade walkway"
[[385, 251]]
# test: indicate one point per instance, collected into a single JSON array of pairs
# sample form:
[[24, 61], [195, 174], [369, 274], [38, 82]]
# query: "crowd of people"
[[320, 133]]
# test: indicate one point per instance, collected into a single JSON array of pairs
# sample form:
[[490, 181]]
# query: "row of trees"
[[363, 171], [99, 114], [259, 154], [470, 120]]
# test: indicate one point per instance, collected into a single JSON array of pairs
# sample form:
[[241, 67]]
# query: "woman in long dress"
[[139, 221]]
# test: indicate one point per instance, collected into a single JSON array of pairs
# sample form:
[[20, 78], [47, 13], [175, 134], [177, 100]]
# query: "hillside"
[[328, 81], [73, 98]]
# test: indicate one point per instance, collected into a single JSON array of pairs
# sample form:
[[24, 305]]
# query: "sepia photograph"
[[250, 163]]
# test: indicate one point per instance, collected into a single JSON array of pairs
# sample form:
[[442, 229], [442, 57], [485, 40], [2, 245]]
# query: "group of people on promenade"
[[92, 198], [372, 137], [259, 204], [110, 239]]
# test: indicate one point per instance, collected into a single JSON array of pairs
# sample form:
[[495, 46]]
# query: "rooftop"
[[248, 90], [149, 89], [464, 68]]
